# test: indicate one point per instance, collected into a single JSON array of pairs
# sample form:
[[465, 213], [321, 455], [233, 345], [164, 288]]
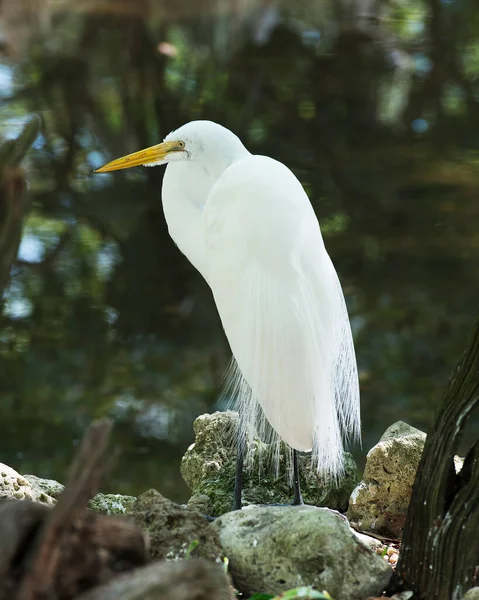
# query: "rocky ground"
[[344, 543]]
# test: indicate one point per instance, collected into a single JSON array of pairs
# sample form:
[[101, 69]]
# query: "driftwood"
[[440, 549], [70, 553], [195, 579], [93, 550], [59, 553], [84, 481]]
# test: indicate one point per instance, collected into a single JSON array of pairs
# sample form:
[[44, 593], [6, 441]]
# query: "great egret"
[[246, 224]]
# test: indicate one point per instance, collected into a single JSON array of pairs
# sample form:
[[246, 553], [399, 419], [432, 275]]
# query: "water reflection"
[[376, 113]]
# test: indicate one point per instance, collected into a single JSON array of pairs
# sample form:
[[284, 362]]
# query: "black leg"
[[237, 504], [297, 500]]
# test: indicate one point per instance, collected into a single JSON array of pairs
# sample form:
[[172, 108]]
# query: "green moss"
[[260, 486], [209, 465], [174, 533], [111, 504], [49, 486]]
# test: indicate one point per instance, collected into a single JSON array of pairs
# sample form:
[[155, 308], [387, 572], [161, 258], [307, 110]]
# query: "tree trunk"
[[440, 549]]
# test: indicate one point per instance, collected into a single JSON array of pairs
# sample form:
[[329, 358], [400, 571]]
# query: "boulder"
[[174, 532], [16, 486], [380, 502], [208, 467], [372, 542], [201, 503], [472, 594], [48, 486], [273, 549], [213, 447]]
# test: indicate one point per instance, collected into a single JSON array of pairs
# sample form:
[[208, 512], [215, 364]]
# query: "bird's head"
[[201, 141]]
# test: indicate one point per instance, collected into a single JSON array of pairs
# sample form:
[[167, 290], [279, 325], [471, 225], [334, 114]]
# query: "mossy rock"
[[380, 502], [261, 486], [174, 532], [209, 464], [47, 486], [111, 504], [213, 447]]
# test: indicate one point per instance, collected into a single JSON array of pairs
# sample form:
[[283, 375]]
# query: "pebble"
[[390, 554]]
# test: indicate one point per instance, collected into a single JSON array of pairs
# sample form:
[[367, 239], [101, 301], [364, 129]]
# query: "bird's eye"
[[181, 144]]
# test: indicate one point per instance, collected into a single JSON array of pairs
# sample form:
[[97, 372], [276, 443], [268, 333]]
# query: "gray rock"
[[273, 549], [48, 486], [201, 503], [472, 594], [15, 486], [174, 532], [208, 467], [213, 447], [372, 542], [106, 504], [111, 504], [180, 580], [380, 502]]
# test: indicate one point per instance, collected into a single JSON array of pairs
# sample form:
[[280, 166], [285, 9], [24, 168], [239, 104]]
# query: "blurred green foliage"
[[377, 116]]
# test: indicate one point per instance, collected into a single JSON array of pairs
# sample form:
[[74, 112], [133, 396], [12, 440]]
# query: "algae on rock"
[[111, 504], [214, 445], [47, 486], [174, 532], [208, 467]]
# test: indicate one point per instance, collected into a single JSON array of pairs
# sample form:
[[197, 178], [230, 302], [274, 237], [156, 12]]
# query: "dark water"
[[376, 112]]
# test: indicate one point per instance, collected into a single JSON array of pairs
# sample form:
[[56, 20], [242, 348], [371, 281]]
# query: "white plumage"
[[247, 225]]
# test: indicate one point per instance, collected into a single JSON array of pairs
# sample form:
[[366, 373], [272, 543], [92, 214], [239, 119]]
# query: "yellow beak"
[[154, 154]]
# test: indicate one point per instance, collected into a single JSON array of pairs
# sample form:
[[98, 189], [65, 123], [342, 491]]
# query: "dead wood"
[[59, 553], [195, 579]]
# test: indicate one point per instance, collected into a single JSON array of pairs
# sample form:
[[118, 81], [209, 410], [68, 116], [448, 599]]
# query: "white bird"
[[245, 222]]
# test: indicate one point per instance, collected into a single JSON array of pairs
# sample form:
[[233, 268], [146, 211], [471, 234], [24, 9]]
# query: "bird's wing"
[[282, 310]]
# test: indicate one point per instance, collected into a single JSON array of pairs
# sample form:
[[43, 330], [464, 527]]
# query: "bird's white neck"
[[186, 186]]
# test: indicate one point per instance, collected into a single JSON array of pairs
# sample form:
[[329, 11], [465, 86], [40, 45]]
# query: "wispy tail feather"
[[294, 376]]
